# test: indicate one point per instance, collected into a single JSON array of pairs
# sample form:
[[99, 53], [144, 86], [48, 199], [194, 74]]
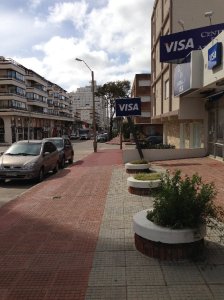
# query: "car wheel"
[[71, 160], [41, 175], [55, 170], [2, 181], [62, 164]]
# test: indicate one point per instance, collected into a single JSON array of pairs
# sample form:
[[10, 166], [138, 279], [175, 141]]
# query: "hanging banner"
[[175, 47], [128, 107]]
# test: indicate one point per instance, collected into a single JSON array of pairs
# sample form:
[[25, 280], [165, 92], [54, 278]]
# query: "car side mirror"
[[46, 153]]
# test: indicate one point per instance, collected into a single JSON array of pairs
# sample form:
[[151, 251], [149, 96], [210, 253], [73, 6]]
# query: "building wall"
[[83, 98], [30, 105], [164, 20], [141, 87]]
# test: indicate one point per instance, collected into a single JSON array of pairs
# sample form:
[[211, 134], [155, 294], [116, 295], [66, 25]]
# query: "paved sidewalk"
[[71, 237]]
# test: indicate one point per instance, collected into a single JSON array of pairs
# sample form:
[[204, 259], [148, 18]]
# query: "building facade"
[[31, 107], [184, 117], [82, 100], [141, 88]]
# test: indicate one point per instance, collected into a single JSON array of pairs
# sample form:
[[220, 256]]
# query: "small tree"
[[111, 91]]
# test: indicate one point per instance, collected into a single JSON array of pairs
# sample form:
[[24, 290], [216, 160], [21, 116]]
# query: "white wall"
[[162, 154]]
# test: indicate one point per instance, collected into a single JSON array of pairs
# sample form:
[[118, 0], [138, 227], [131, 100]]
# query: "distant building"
[[30, 105], [82, 100], [141, 87]]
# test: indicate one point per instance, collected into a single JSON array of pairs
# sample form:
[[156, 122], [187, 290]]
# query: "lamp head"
[[208, 13], [78, 59], [181, 22]]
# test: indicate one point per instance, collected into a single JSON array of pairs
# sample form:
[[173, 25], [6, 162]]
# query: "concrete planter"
[[163, 154], [165, 243], [141, 187], [136, 168]]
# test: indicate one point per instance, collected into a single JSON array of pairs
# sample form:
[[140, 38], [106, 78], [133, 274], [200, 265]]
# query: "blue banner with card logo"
[[214, 56], [175, 47], [128, 107]]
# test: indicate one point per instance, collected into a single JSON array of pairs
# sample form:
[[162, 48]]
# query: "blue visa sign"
[[215, 56], [175, 47], [128, 107]]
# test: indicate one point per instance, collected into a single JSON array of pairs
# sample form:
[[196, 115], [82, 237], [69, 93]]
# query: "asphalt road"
[[11, 189]]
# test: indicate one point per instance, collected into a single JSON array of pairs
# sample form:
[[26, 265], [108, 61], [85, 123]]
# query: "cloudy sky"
[[112, 36]]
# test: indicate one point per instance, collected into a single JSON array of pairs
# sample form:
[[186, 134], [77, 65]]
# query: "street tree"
[[111, 91]]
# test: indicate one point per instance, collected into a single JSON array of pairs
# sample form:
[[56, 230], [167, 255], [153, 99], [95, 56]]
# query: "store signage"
[[215, 56], [182, 78], [128, 107], [175, 47]]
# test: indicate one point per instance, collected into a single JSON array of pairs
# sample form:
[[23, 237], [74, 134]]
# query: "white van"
[[84, 134]]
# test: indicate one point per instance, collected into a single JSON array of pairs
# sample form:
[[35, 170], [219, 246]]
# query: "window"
[[16, 90], [49, 147], [29, 95], [195, 135], [144, 83], [16, 75]]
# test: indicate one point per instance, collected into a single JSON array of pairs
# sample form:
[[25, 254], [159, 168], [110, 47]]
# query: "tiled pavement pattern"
[[120, 272], [210, 169], [71, 237], [48, 235]]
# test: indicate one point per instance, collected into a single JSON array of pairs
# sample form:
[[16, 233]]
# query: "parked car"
[[31, 159], [102, 137], [154, 139], [84, 134], [65, 148], [74, 136]]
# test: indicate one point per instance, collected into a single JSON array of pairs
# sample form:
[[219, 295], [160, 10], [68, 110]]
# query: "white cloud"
[[114, 41], [34, 3], [68, 11]]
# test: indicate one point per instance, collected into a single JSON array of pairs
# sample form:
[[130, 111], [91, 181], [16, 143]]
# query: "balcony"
[[12, 105], [35, 90], [36, 102], [6, 80], [34, 77]]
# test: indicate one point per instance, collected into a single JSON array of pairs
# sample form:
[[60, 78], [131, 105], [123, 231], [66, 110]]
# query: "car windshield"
[[58, 142], [24, 149]]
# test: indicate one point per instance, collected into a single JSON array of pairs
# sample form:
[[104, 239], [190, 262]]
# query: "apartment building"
[[82, 100], [31, 107], [141, 88], [184, 115]]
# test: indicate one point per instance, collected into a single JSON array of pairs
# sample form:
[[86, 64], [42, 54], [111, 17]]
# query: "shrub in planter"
[[139, 162], [147, 145], [135, 166], [143, 183], [176, 225], [183, 202], [147, 176]]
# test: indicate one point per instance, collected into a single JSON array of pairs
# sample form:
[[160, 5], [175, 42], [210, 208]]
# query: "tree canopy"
[[114, 89], [111, 91]]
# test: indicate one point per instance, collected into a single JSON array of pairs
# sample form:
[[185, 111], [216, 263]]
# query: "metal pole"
[[121, 131], [94, 115], [94, 112], [135, 137]]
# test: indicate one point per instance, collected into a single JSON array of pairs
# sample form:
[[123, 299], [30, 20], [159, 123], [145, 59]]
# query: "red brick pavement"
[[48, 235], [209, 169]]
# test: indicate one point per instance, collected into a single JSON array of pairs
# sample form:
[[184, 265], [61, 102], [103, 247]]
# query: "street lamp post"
[[94, 111]]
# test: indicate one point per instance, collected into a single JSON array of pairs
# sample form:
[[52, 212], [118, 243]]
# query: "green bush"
[[147, 145], [147, 176], [183, 202], [139, 162]]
